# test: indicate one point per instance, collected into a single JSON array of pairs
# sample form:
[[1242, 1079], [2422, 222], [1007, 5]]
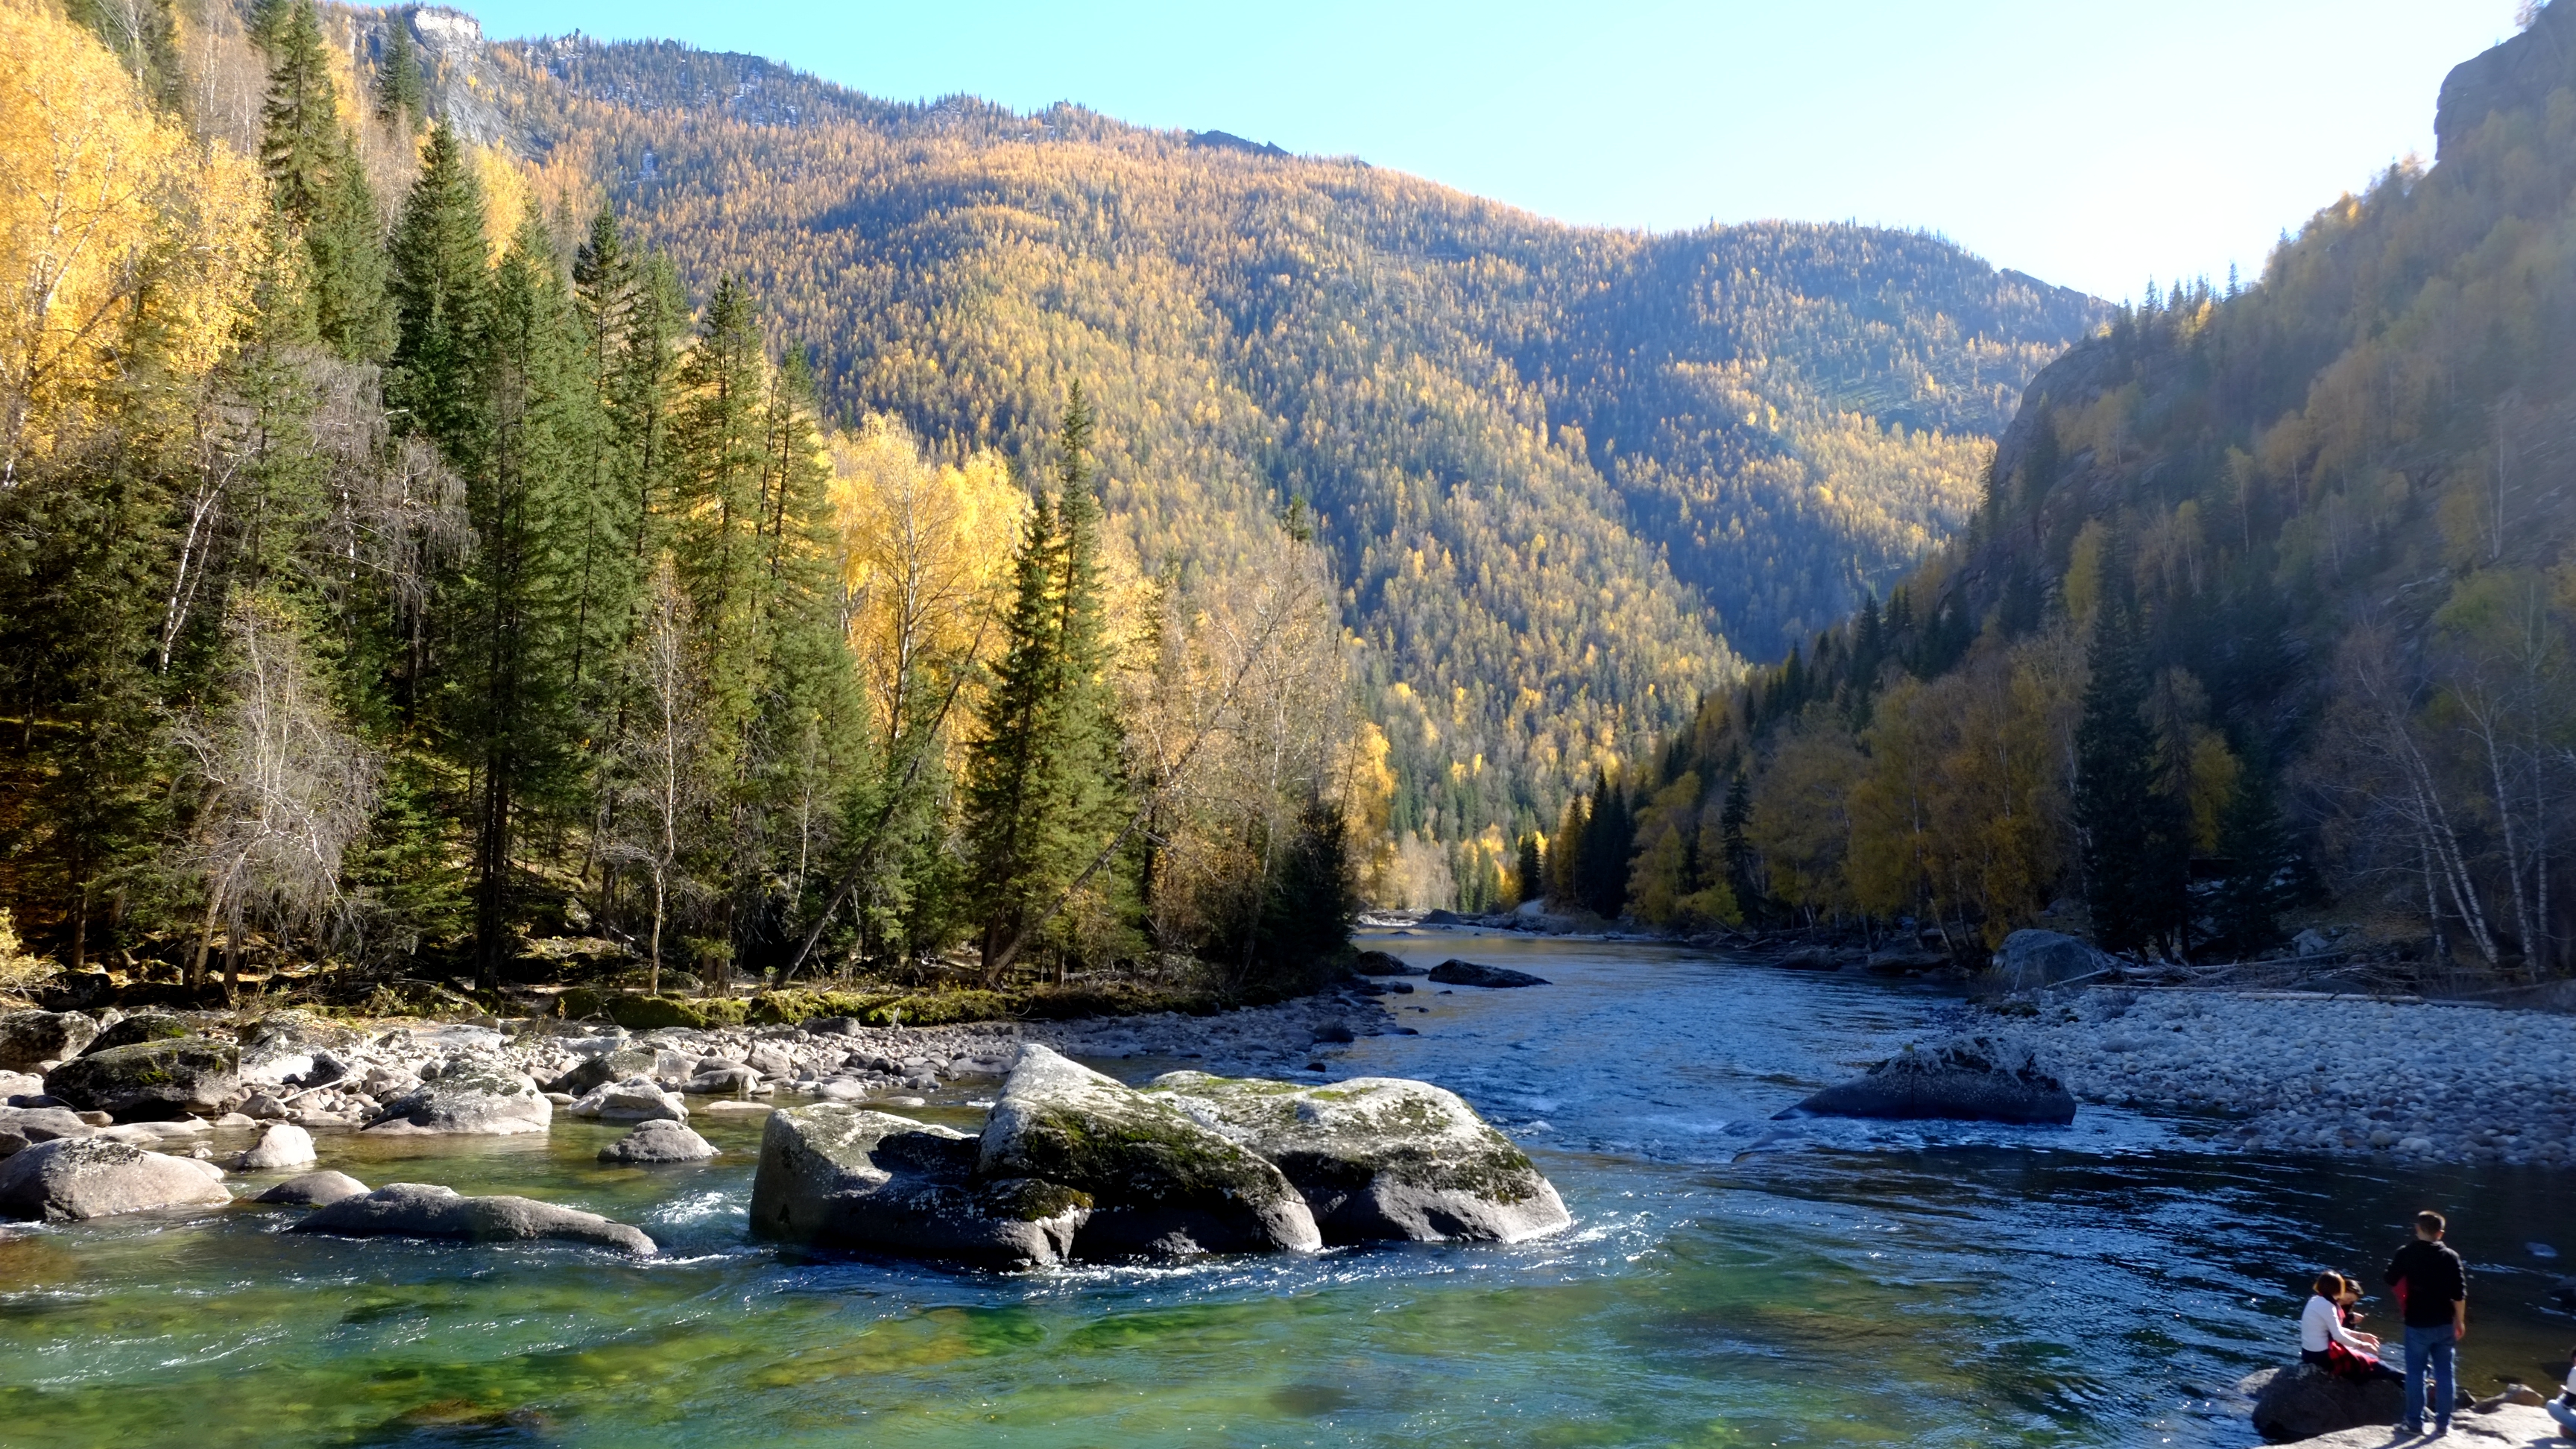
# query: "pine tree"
[[300, 145], [317, 186], [2258, 885], [1565, 852], [439, 264], [1530, 878], [1738, 851], [2134, 853]]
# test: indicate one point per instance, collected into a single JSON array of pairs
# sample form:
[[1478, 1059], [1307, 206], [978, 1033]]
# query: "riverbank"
[[2293, 1072]]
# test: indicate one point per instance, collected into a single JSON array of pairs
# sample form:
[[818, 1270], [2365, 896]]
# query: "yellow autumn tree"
[[117, 232]]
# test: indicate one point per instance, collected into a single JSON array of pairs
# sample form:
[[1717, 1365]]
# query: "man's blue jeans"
[[2429, 1346]]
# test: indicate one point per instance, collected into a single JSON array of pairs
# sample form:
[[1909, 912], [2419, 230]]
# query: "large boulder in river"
[[636, 1099], [469, 1098], [2303, 1401], [282, 1146], [593, 1072], [1161, 1182], [1978, 1079], [1468, 973], [2033, 959], [151, 1081], [140, 1028], [420, 1210], [847, 1177], [660, 1140], [29, 1037], [94, 1177], [1380, 1158]]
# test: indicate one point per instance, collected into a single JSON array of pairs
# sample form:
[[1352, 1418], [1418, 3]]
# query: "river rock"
[[2033, 959], [636, 1099], [421, 1210], [470, 1099], [152, 1080], [72, 1178], [20, 1084], [140, 1028], [30, 1125], [591, 1073], [314, 1189], [1979, 1079], [1379, 963], [1380, 1159], [662, 1139], [29, 1037], [283, 1145], [727, 1079], [848, 1177], [2304, 1401], [1161, 1183], [1468, 973], [287, 1044]]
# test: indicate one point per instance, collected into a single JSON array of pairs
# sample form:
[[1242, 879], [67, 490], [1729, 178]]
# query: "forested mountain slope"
[[2270, 595], [1568, 475]]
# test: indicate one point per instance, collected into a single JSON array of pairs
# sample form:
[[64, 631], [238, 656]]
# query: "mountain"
[[1569, 475], [2311, 537]]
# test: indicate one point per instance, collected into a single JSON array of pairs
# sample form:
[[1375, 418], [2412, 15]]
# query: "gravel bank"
[[2410, 1080]]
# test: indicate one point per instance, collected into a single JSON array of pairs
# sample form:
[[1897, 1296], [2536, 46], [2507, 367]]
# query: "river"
[[1729, 1280]]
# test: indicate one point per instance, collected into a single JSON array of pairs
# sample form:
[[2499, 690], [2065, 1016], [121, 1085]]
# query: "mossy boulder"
[[72, 1178], [1380, 1159], [151, 1081], [140, 1028], [468, 1098], [1163, 1184], [846, 1177], [29, 1037]]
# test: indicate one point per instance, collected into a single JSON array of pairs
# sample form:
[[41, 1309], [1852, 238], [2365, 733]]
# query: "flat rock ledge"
[[74, 1178], [422, 1210], [1977, 1079], [1075, 1165]]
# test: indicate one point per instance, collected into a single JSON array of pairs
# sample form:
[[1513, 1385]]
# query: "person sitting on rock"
[[2563, 1408], [2328, 1341]]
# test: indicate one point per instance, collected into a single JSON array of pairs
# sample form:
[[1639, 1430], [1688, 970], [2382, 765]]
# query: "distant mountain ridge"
[[1572, 475]]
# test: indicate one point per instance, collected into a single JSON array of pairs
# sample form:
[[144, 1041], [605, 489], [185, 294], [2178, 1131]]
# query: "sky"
[[2093, 143]]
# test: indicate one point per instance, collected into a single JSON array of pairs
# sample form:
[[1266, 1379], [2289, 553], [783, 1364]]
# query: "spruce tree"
[[300, 145], [2133, 852], [439, 264], [516, 608], [399, 94], [2256, 852], [1530, 878], [1005, 770], [1731, 820]]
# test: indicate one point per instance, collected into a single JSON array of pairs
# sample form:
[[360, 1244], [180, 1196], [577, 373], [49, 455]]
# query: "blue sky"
[[2095, 143]]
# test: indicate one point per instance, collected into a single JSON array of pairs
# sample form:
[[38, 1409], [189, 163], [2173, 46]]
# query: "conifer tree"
[[1738, 851], [1530, 878], [318, 187], [439, 262], [517, 607], [2255, 848], [2132, 849], [399, 95]]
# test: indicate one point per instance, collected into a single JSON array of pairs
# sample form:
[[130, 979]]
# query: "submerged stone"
[[1468, 973], [1978, 1079], [421, 1210]]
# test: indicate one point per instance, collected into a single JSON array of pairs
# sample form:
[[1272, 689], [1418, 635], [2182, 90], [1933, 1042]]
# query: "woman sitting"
[[2563, 1408], [2327, 1341]]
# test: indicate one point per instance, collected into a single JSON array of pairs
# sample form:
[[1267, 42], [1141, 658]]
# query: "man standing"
[[2433, 1293]]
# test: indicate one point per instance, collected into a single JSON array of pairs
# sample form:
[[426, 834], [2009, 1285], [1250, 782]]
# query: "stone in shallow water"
[[1381, 1158], [847, 1177], [421, 1210], [636, 1099], [1469, 973], [72, 1178], [1980, 1079], [314, 1189], [283, 1145], [660, 1140], [469, 1099], [152, 1080]]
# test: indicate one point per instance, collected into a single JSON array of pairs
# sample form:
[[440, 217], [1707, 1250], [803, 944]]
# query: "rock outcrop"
[[140, 1028], [151, 1081], [421, 1210], [1978, 1079], [72, 1178], [2303, 1401], [30, 1037], [1468, 973], [848, 1177], [468, 1098], [659, 1140], [1162, 1184], [1380, 1158]]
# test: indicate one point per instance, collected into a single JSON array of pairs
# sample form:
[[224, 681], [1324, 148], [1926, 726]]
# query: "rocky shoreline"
[[2409, 1080]]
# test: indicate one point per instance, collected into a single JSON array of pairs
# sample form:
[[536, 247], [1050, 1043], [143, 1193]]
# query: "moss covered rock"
[[30, 1037], [1380, 1159], [847, 1177], [151, 1081], [1162, 1183]]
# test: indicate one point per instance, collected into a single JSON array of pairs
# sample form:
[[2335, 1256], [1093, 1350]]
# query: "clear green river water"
[[1728, 1281]]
